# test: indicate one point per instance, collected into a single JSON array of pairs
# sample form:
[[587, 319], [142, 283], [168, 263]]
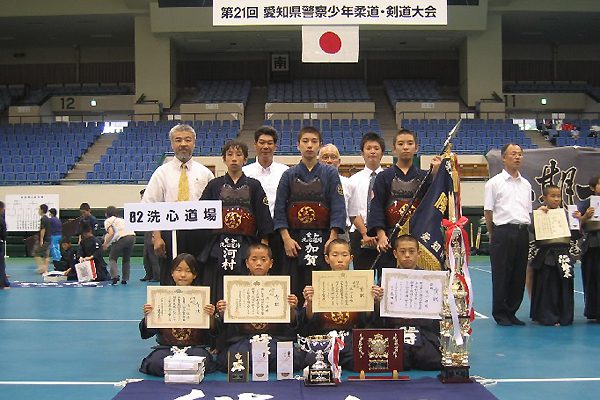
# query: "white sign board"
[[22, 210], [331, 12], [181, 215], [409, 293]]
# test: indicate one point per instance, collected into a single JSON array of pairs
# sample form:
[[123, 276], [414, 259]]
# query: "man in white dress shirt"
[[181, 179], [329, 154], [265, 170], [364, 247], [507, 210], [268, 173]]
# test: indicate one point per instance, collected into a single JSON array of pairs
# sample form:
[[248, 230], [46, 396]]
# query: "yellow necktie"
[[183, 193]]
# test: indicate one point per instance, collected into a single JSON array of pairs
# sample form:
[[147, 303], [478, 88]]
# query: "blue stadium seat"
[[136, 175]]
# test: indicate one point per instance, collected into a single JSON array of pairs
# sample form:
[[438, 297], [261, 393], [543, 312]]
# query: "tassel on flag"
[[330, 44]]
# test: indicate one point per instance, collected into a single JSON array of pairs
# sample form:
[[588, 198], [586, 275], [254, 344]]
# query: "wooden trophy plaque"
[[378, 351]]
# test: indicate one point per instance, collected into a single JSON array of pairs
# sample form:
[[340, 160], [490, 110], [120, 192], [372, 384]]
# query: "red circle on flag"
[[330, 42]]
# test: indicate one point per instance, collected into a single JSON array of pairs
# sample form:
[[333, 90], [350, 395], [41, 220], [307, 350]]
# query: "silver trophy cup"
[[320, 373]]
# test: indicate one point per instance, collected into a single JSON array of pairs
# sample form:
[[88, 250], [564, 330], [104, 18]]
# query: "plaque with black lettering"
[[237, 366], [378, 351]]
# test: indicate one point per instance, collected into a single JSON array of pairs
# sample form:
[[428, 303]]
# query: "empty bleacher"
[[140, 149], [42, 153], [411, 90], [475, 136], [345, 134], [223, 91], [319, 91]]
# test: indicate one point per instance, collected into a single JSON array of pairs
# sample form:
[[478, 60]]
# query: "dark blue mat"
[[422, 388]]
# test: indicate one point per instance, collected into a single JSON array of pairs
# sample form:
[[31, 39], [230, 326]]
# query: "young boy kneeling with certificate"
[[338, 256], [183, 272], [238, 335], [421, 336]]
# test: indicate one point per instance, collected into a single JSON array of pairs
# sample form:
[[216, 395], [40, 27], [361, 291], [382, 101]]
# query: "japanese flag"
[[330, 44]]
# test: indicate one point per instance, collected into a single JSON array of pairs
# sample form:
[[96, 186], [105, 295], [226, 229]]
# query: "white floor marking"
[[548, 380], [55, 383], [66, 320]]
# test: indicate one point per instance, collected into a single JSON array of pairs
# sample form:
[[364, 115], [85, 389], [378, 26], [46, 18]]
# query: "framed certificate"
[[178, 307], [257, 299], [550, 225], [342, 291], [409, 293]]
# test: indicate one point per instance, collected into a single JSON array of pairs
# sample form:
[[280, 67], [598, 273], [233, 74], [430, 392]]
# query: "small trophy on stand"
[[322, 373], [455, 326]]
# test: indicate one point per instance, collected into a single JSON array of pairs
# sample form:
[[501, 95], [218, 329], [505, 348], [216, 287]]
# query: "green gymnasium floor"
[[75, 343]]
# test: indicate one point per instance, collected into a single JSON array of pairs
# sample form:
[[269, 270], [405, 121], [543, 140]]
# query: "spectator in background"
[[330, 155], [67, 260], [4, 283], [151, 265], [364, 247], [121, 242], [41, 248], [56, 232], [86, 216], [90, 249]]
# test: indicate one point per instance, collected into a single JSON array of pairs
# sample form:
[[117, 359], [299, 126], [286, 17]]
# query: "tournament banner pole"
[[404, 215], [174, 244]]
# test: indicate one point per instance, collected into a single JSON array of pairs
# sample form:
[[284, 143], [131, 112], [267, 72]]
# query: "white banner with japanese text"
[[181, 215], [332, 12]]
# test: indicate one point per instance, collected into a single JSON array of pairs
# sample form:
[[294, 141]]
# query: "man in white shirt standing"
[[181, 179], [265, 170], [329, 154], [507, 210], [268, 173], [364, 247]]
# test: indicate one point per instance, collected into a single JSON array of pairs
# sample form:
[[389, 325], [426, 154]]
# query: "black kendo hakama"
[[552, 287], [246, 219], [590, 265]]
